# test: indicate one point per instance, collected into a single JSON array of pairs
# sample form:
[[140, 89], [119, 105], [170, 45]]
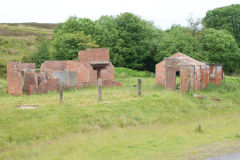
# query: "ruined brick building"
[[71, 73], [193, 73]]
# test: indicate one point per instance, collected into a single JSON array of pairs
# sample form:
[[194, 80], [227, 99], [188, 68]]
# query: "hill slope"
[[18, 40]]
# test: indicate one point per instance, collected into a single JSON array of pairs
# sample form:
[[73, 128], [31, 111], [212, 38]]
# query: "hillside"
[[18, 40]]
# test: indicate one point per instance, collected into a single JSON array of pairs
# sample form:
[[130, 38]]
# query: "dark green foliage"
[[180, 39], [72, 36], [76, 25], [106, 35], [132, 41], [3, 70], [136, 45], [227, 18], [42, 54], [67, 45], [222, 49]]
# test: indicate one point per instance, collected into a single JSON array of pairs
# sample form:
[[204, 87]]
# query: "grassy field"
[[159, 124]]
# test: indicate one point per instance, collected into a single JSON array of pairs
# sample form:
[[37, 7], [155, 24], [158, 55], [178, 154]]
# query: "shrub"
[[3, 70]]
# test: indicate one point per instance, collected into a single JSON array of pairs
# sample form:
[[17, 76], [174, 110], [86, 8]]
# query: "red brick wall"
[[30, 78], [53, 65], [31, 89], [49, 85], [14, 76], [82, 71], [215, 74], [45, 80], [160, 73], [14, 83], [170, 72], [96, 54], [166, 72], [185, 77]]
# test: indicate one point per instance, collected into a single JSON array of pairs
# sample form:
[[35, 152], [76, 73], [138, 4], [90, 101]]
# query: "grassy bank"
[[159, 124]]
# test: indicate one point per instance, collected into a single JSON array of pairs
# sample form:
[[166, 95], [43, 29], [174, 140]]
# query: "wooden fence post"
[[188, 85], [99, 80], [61, 92], [139, 86]]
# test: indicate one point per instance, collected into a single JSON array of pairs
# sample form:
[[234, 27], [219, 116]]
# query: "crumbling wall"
[[215, 74], [93, 55], [14, 83], [69, 72], [14, 78], [172, 65]]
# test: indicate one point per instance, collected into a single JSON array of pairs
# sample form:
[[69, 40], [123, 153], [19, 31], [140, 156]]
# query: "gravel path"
[[233, 156]]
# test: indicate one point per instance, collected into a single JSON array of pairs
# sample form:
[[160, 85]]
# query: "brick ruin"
[[193, 73], [71, 73]]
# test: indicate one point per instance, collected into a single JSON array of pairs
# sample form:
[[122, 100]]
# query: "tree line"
[[138, 44]]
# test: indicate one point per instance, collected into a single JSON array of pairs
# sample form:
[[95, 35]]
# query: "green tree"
[[227, 18], [132, 41], [67, 45], [134, 44], [76, 25], [180, 39], [71, 36], [43, 52], [222, 48], [194, 24], [106, 35]]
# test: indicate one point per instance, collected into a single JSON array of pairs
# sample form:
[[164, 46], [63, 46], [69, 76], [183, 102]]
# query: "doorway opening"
[[178, 80]]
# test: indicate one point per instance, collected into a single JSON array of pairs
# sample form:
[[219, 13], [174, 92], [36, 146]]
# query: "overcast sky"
[[163, 13]]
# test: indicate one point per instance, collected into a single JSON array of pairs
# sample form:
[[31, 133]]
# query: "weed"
[[237, 135], [199, 129]]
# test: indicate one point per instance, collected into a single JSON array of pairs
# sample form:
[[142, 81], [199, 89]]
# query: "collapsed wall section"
[[70, 73], [67, 73], [14, 78]]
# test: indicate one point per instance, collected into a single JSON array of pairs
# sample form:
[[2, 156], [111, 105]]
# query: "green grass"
[[159, 124], [126, 72]]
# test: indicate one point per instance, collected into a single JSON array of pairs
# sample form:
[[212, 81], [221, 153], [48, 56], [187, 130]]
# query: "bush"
[[42, 54], [3, 71]]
